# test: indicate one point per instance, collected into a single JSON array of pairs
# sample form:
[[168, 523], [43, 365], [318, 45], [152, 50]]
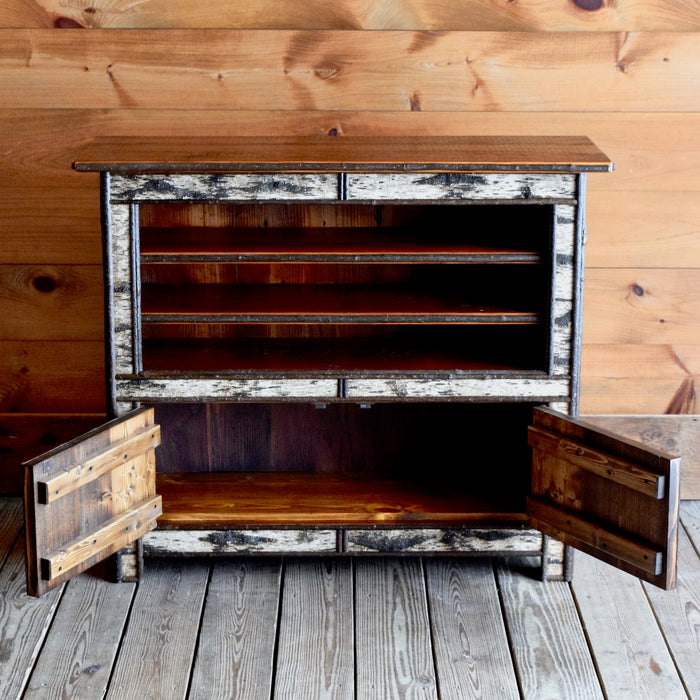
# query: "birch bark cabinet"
[[346, 346]]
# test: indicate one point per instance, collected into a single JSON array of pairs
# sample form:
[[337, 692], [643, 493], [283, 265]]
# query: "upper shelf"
[[344, 154]]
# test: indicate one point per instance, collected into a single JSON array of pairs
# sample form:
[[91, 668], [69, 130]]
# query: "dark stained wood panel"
[[294, 303], [195, 244]]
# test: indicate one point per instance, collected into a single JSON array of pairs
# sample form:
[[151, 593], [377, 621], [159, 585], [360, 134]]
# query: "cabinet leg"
[[127, 563], [557, 560]]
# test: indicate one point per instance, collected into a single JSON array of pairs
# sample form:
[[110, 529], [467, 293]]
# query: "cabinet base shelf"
[[312, 500]]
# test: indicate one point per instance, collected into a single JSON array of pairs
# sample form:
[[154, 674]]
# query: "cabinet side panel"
[[563, 289]]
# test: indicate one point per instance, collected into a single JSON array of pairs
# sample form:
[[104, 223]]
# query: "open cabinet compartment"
[[342, 465], [356, 287]]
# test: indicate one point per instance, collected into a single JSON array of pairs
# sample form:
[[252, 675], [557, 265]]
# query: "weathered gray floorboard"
[[158, 647], [392, 631], [315, 657], [10, 524], [690, 517], [89, 623], [630, 652], [549, 647], [24, 622], [678, 613], [235, 657], [469, 638]]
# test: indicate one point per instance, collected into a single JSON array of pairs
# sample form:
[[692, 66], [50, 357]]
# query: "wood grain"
[[59, 223], [546, 636], [24, 623], [88, 524], [11, 516], [677, 434], [90, 620], [630, 653], [35, 297], [546, 15], [682, 605], [235, 654], [626, 230], [690, 515], [635, 306], [392, 630], [356, 155], [331, 70], [315, 656], [59, 376], [159, 643], [471, 650], [229, 499]]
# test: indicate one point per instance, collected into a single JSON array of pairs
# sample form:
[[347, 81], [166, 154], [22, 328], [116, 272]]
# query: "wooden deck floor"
[[368, 628]]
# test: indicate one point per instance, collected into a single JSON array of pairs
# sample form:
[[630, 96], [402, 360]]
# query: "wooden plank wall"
[[624, 72]]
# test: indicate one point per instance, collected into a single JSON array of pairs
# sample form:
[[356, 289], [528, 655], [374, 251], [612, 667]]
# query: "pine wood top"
[[344, 154]]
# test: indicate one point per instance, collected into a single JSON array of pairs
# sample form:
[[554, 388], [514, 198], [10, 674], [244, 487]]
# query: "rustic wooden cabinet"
[[351, 346]]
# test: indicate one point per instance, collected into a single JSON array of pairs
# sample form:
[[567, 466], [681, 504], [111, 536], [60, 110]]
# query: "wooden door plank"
[[631, 655], [24, 623], [159, 644], [547, 640], [451, 71], [315, 657], [678, 614], [85, 637], [469, 638], [235, 655], [392, 630]]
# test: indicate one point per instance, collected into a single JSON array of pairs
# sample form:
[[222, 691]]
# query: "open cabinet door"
[[610, 497], [87, 499]]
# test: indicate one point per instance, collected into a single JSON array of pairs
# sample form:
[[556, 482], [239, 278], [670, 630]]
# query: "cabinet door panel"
[[612, 498], [89, 498]]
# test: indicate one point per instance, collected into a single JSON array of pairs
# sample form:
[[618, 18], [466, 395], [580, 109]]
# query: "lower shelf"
[[278, 500]]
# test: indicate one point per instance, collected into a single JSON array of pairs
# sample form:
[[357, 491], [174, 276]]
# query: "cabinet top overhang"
[[541, 154]]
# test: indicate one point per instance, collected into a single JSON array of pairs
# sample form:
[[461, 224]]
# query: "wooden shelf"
[[214, 355], [331, 244], [332, 500], [318, 303]]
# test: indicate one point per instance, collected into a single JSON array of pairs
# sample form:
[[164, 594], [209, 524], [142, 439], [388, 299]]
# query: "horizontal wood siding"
[[626, 74], [544, 15]]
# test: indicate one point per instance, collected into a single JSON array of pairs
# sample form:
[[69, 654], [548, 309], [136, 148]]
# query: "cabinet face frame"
[[560, 187]]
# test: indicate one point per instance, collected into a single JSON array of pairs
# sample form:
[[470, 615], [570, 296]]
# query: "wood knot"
[[44, 284], [327, 70], [67, 23], [588, 5]]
